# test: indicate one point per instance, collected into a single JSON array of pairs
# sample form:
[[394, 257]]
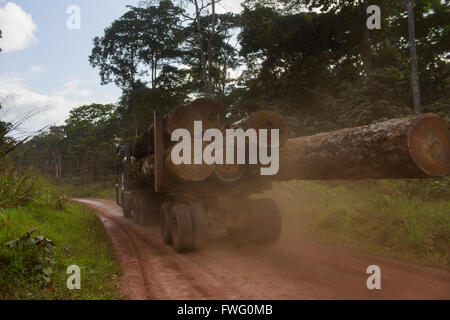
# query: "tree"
[[210, 76], [160, 37], [136, 108], [205, 30], [135, 45], [116, 54], [325, 68], [83, 146], [414, 69]]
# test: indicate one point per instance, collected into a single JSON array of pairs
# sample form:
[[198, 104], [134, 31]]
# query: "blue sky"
[[44, 66]]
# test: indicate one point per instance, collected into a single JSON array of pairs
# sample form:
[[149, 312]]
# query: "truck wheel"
[[239, 234], [199, 225], [126, 206], [166, 211], [139, 210], [152, 210], [181, 228], [134, 210], [265, 221]]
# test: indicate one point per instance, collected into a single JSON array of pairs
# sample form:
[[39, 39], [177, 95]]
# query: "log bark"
[[399, 148], [143, 170], [143, 145]]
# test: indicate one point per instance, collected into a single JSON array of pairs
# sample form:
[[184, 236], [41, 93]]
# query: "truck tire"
[[181, 228], [139, 210], [126, 206], [152, 210], [238, 234], [199, 226], [166, 212], [133, 202], [264, 221]]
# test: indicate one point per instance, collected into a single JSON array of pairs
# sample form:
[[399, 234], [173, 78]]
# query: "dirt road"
[[294, 268]]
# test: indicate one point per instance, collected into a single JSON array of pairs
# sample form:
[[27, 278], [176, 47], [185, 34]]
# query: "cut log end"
[[230, 172], [265, 119], [189, 172], [429, 146], [208, 110], [183, 117]]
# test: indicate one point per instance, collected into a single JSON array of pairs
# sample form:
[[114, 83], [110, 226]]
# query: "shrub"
[[19, 188]]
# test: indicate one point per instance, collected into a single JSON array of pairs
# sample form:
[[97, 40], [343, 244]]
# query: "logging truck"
[[192, 201]]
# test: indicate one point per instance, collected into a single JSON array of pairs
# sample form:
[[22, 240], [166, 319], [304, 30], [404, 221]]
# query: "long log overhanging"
[[415, 147]]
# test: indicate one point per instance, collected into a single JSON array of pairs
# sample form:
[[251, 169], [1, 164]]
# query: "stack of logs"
[[414, 147]]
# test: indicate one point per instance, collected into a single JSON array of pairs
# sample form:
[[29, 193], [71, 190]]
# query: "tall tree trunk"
[[366, 45], [153, 72], [60, 164], [55, 161], [414, 69], [200, 44], [210, 93]]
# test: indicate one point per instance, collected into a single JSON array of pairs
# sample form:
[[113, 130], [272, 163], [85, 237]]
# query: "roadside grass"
[[93, 190], [20, 188], [79, 239], [104, 188], [408, 220]]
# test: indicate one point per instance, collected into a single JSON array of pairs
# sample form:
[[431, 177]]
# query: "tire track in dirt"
[[162, 276], [295, 268]]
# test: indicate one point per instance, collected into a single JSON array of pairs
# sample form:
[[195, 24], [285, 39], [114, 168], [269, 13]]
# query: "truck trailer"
[[189, 202]]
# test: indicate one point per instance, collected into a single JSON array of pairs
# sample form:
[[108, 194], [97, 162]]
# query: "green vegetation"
[[409, 220], [19, 188], [41, 234], [322, 68], [100, 190], [82, 187]]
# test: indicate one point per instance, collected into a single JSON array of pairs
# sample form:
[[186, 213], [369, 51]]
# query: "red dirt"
[[294, 268]]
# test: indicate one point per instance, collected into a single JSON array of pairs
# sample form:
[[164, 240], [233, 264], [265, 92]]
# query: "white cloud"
[[229, 6], [72, 87], [21, 100], [17, 28], [36, 69], [48, 109]]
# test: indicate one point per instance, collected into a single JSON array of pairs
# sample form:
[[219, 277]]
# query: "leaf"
[[47, 279], [49, 260], [30, 232], [47, 271], [49, 249], [13, 243], [30, 243], [39, 267], [49, 241]]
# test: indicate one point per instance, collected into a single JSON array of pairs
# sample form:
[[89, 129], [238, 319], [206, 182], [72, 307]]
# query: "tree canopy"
[[312, 60]]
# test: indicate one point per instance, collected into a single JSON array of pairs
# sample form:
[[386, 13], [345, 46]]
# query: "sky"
[[44, 66]]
